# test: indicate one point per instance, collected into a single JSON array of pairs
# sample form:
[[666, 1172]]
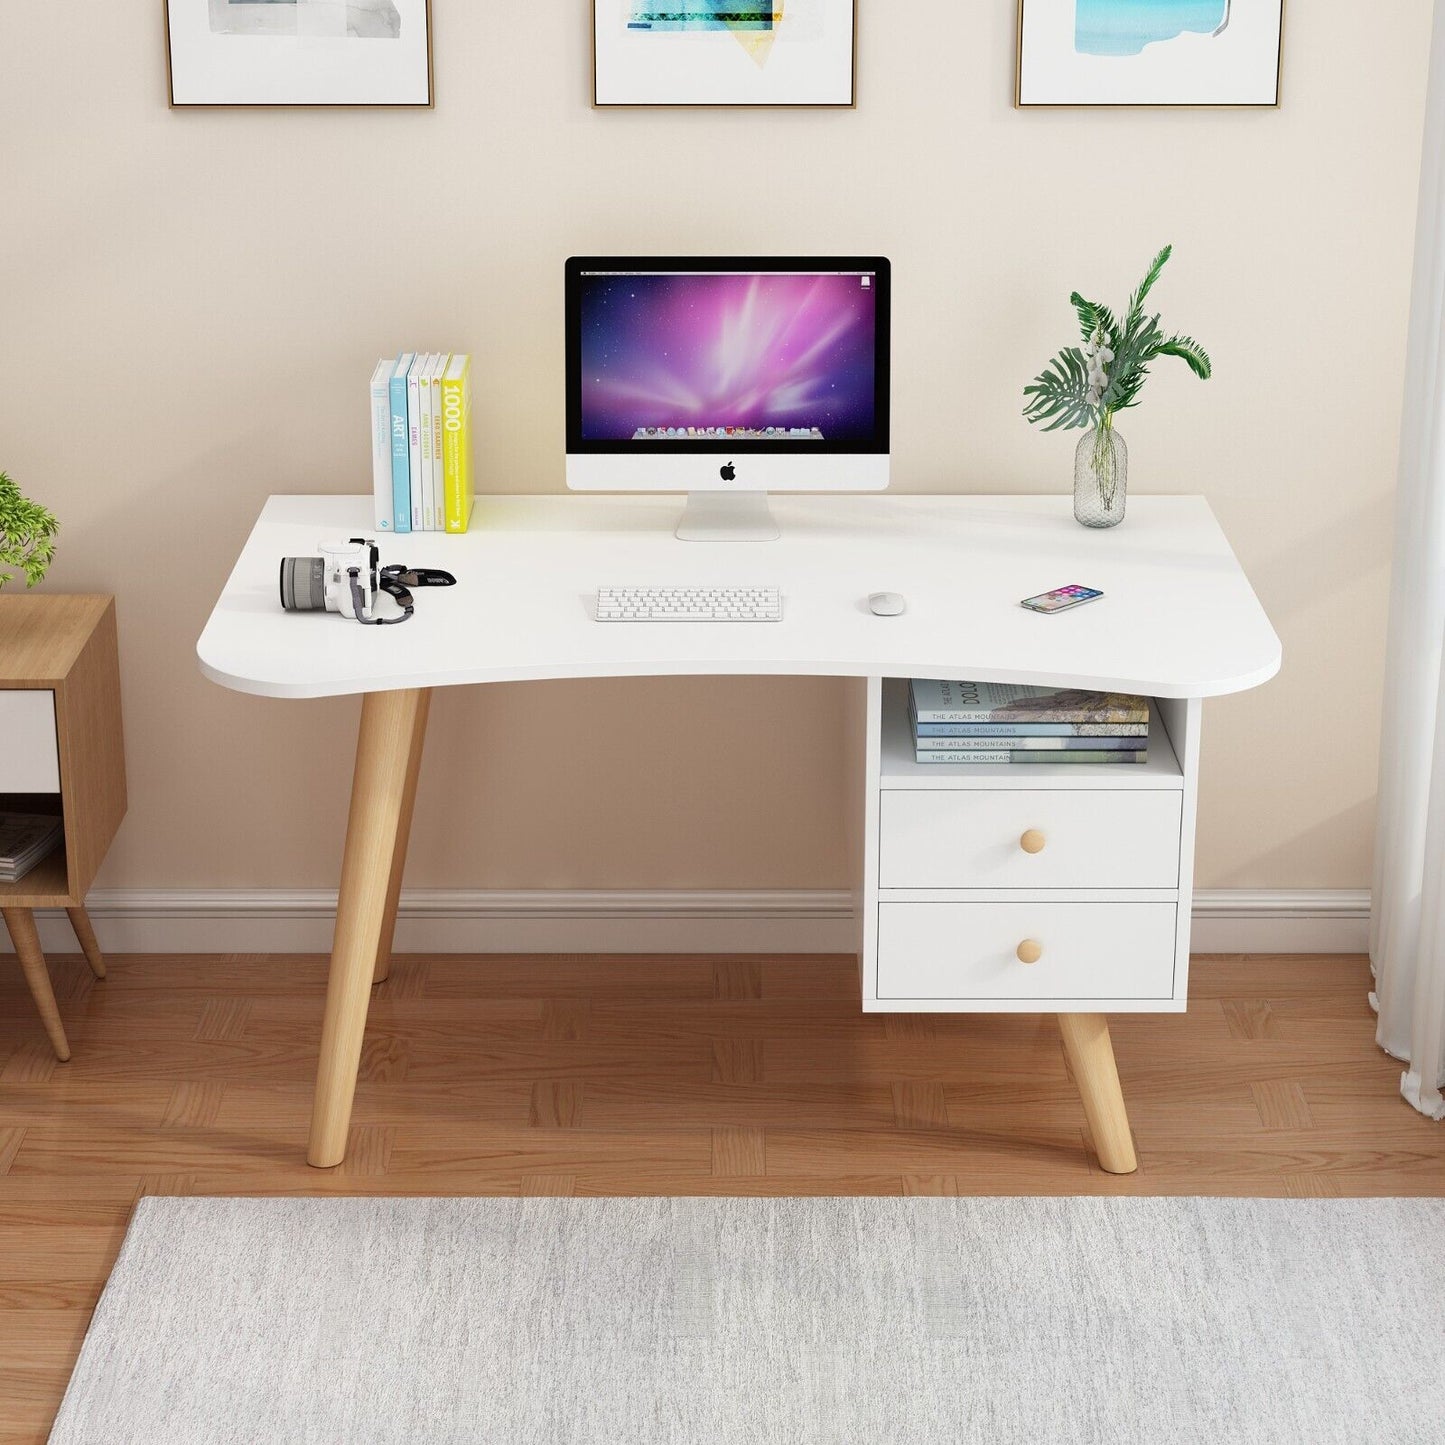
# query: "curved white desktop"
[[938, 849]]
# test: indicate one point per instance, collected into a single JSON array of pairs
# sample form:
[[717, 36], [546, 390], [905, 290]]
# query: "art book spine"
[[438, 472], [1004, 755], [381, 444], [457, 443], [400, 449], [1029, 745], [413, 438], [423, 410], [1031, 730]]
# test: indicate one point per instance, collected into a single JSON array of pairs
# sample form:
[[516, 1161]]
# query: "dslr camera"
[[348, 578]]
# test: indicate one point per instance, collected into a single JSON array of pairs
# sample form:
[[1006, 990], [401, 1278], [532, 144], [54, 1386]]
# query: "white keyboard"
[[689, 604]]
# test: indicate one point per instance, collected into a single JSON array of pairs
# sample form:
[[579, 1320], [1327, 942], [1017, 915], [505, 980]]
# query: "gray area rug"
[[634, 1321]]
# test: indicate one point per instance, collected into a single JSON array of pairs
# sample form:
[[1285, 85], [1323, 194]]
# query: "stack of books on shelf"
[[421, 442], [26, 838], [1000, 722]]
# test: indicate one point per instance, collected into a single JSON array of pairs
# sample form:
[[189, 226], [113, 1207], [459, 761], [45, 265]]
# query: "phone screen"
[[1061, 598]]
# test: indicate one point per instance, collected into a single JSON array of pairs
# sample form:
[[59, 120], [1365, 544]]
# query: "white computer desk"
[[957, 911]]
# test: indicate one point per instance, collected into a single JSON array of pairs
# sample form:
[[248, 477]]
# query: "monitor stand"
[[727, 517]]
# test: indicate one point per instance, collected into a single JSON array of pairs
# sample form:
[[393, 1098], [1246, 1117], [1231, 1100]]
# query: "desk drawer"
[[29, 760], [981, 839], [968, 951]]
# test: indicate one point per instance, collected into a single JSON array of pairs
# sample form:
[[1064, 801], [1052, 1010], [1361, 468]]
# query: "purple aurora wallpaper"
[[728, 355]]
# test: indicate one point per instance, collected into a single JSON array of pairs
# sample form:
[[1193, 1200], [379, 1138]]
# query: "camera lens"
[[303, 584]]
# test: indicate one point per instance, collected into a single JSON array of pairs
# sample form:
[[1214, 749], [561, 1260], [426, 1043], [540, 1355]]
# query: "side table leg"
[[390, 722], [1091, 1054], [26, 938], [85, 936], [403, 837]]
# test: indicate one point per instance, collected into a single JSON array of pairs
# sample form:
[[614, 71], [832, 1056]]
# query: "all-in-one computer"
[[727, 378]]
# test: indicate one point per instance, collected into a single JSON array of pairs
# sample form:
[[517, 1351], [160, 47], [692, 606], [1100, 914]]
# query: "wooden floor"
[[582, 1075]]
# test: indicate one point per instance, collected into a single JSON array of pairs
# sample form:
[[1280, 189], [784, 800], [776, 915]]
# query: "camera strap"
[[396, 582]]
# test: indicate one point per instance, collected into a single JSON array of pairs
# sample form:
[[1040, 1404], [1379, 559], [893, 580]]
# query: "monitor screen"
[[753, 356]]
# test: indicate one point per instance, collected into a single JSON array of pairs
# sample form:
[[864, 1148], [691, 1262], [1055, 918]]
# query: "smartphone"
[[1061, 599]]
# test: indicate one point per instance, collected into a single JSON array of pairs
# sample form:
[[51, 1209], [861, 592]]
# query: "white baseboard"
[[659, 921], [1280, 920]]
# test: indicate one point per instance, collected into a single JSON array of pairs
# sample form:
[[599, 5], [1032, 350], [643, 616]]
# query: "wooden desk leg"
[[26, 938], [403, 837], [1091, 1055], [390, 724], [85, 935]]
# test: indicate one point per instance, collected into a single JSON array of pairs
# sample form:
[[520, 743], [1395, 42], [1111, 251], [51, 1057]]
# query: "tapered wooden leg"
[[403, 837], [85, 934], [23, 934], [1091, 1054], [389, 724]]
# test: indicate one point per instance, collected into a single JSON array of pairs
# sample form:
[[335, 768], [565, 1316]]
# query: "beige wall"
[[191, 303]]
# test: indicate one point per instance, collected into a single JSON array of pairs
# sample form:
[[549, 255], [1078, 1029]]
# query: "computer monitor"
[[727, 378]]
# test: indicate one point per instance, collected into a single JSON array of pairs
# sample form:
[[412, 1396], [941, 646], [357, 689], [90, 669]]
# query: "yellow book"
[[457, 443]]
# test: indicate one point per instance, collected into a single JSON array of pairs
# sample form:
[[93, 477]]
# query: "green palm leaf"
[[1092, 315], [1136, 301], [1187, 349]]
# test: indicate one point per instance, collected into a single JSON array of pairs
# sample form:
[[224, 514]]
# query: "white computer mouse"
[[887, 604]]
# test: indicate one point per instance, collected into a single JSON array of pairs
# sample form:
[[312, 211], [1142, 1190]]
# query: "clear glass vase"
[[1101, 478]]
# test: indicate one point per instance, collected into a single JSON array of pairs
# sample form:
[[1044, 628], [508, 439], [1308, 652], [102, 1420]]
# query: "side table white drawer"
[[29, 760], [968, 951], [1029, 838]]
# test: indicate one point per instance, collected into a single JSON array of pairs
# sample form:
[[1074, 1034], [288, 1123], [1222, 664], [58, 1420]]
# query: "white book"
[[413, 437], [424, 418], [431, 400], [381, 442], [438, 488]]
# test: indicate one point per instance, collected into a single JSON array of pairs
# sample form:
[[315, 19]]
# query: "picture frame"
[[725, 53], [1171, 53], [299, 53]]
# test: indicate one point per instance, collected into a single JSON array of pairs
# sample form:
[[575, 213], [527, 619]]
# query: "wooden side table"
[[61, 751]]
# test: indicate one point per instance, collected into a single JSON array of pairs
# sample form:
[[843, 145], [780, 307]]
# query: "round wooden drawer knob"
[[1033, 841], [1030, 951]]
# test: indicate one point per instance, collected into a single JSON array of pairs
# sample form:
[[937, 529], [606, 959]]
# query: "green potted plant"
[[27, 534], [1085, 386]]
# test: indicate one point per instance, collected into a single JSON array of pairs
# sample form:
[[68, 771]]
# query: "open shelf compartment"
[[47, 884], [898, 769]]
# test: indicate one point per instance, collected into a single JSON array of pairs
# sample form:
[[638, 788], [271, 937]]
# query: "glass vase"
[[1101, 478]]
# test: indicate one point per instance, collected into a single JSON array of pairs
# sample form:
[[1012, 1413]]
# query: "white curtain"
[[1407, 929]]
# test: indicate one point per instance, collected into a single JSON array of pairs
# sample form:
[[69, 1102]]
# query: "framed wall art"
[[299, 52], [724, 52], [1150, 52]]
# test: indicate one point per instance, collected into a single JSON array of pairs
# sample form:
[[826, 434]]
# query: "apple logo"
[[729, 473]]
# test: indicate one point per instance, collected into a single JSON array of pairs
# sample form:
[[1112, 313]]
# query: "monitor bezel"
[[577, 445]]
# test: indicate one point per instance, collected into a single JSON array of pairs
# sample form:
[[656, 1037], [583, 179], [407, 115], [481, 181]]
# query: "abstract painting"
[[299, 52], [723, 52], [1149, 52]]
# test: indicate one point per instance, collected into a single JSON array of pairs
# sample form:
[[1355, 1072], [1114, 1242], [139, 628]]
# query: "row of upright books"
[[421, 442], [999, 722], [26, 838]]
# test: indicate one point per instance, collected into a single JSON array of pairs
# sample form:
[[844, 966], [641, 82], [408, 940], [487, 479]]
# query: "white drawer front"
[[29, 762], [968, 951], [975, 839]]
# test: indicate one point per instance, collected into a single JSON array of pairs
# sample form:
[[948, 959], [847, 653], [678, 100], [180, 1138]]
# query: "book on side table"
[[26, 838]]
